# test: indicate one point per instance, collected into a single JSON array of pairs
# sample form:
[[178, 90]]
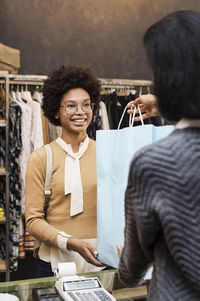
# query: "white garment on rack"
[[36, 131], [24, 96], [13, 95], [18, 96], [37, 96], [104, 116]]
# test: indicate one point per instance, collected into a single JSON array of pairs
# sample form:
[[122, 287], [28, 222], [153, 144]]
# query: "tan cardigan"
[[83, 225]]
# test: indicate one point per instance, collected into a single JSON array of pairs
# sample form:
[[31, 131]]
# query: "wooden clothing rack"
[[124, 83], [105, 82]]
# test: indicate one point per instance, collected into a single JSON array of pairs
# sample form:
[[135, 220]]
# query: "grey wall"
[[103, 34]]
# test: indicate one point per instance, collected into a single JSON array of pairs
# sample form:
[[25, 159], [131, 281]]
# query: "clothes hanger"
[[28, 94], [111, 90], [18, 95], [140, 91], [104, 92], [133, 91], [122, 92], [24, 95], [37, 95], [12, 93]]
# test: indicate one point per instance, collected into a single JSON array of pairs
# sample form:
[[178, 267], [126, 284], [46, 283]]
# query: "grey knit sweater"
[[162, 209]]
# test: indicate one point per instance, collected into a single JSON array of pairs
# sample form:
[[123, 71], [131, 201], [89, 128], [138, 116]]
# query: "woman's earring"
[[57, 115]]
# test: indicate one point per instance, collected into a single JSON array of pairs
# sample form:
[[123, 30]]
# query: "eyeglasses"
[[72, 109]]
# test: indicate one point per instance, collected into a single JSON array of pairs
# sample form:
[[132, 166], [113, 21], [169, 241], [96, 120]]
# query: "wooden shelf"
[[140, 291], [2, 265], [2, 169], [2, 122], [4, 72], [2, 219]]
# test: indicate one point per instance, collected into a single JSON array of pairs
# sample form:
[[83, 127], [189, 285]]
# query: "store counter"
[[109, 279]]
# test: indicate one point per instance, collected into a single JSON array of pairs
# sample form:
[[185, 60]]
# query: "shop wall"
[[103, 34]]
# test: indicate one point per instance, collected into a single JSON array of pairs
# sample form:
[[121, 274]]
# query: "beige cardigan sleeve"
[[34, 212]]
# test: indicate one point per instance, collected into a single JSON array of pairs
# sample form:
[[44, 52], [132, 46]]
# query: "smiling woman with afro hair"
[[68, 231], [62, 80]]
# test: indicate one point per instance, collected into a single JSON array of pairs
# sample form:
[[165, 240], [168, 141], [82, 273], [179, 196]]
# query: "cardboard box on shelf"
[[9, 59]]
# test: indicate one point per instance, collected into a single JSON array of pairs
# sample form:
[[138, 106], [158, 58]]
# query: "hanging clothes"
[[104, 116], [95, 124], [33, 124], [115, 106], [36, 130], [15, 146]]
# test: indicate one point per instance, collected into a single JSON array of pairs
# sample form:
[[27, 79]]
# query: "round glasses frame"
[[72, 109]]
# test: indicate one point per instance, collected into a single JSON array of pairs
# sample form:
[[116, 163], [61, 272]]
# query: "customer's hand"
[[85, 249], [148, 106], [119, 250]]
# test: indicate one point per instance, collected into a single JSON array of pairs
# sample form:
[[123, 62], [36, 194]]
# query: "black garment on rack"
[[114, 110], [95, 125], [115, 106]]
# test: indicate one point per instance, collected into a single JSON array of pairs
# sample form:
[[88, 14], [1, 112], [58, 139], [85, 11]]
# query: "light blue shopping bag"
[[115, 150]]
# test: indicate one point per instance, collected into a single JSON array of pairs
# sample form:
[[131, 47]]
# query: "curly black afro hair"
[[61, 81]]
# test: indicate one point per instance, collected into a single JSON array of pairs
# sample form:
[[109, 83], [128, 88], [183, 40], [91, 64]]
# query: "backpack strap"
[[47, 186]]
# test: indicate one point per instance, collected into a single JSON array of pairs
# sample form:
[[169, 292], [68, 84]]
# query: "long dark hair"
[[173, 51]]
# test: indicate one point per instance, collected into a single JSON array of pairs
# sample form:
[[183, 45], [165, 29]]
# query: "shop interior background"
[[105, 35]]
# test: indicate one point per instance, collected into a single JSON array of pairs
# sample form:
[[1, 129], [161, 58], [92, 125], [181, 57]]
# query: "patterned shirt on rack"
[[15, 145]]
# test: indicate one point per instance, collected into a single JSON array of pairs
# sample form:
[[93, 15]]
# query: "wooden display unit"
[[2, 265]]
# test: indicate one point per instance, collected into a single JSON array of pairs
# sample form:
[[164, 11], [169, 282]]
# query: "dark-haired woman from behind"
[[68, 233], [162, 203]]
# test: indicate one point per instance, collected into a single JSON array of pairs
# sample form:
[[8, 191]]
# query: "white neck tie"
[[73, 182]]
